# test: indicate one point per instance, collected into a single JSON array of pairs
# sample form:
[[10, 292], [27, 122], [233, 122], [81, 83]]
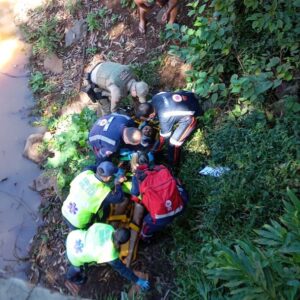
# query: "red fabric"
[[159, 193]]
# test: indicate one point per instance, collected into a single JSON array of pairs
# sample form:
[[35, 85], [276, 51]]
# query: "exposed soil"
[[121, 42]]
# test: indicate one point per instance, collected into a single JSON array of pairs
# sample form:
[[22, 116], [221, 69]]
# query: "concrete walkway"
[[17, 289]]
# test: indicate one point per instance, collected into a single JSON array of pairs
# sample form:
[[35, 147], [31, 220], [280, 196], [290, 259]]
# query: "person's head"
[[147, 131], [121, 236], [147, 136], [132, 136], [105, 171], [138, 158], [139, 89], [145, 111]]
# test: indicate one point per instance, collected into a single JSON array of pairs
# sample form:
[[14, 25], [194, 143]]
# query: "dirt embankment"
[[117, 39]]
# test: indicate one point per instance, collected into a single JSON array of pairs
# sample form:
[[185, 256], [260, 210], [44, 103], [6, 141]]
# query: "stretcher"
[[127, 215]]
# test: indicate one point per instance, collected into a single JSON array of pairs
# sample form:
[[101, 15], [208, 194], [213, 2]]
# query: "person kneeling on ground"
[[159, 192], [99, 244], [176, 112], [112, 132], [114, 81], [90, 196]]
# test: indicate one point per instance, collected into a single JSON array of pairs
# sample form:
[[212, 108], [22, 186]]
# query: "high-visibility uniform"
[[92, 245], [85, 198]]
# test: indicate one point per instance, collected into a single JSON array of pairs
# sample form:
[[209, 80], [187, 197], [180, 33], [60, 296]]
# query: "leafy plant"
[[91, 50], [69, 145], [93, 19], [252, 43], [39, 84], [45, 38], [250, 272]]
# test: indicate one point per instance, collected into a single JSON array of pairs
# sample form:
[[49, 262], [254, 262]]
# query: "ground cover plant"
[[245, 59]]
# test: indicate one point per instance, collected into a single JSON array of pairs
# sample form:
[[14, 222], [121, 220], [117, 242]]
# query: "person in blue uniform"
[[173, 109], [110, 133]]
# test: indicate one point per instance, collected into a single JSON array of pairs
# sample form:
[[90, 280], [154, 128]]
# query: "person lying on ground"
[[159, 192], [98, 245], [113, 81], [91, 195], [144, 6], [112, 132], [148, 141], [172, 109]]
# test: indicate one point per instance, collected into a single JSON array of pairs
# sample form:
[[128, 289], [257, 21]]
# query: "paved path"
[[17, 289]]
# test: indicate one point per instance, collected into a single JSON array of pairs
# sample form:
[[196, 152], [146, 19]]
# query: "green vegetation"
[[239, 49], [69, 144], [267, 268], [245, 58], [39, 84], [45, 38], [128, 3], [245, 61], [91, 50], [94, 19]]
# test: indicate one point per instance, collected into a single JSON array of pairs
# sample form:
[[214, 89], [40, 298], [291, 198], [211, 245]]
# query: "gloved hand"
[[143, 284], [120, 176], [120, 173], [150, 157]]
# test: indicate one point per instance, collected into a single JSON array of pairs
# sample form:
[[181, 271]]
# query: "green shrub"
[[70, 147], [269, 269], [39, 84], [45, 38], [239, 50]]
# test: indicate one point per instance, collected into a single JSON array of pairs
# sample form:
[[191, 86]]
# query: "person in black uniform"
[[110, 133], [172, 108]]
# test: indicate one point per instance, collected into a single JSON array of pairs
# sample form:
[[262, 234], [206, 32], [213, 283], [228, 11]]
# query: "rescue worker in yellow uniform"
[[113, 81], [91, 195], [99, 244]]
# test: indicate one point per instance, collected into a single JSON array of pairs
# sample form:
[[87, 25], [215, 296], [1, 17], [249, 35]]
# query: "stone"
[[32, 149], [75, 33], [44, 182], [53, 63]]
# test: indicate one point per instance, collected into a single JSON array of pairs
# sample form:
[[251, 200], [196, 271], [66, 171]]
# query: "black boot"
[[90, 92]]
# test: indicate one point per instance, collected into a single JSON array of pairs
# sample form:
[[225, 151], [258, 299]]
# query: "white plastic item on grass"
[[215, 172]]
